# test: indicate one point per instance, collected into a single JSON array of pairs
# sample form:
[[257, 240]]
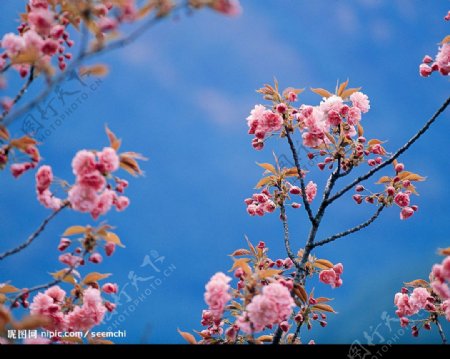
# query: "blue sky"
[[180, 95]]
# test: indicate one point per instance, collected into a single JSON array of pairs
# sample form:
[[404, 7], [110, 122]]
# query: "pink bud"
[[64, 243], [295, 190], [110, 247], [415, 207], [425, 70], [110, 306], [292, 96], [399, 167], [295, 205], [288, 263], [279, 263], [298, 318], [371, 162], [261, 245], [378, 160], [239, 273], [241, 284], [361, 139], [248, 201], [405, 290], [109, 288], [315, 316], [281, 108], [323, 323], [406, 212], [357, 198], [359, 188], [406, 183], [427, 59], [427, 326], [310, 155], [321, 165], [96, 258], [284, 326], [404, 322]]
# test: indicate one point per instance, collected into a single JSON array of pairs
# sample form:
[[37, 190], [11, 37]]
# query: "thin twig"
[[34, 235], [441, 331], [6, 68], [395, 155], [287, 243], [134, 35], [300, 176], [20, 94], [351, 230]]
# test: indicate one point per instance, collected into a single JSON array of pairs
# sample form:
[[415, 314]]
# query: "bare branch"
[[395, 155], [287, 243], [441, 331], [130, 38], [20, 94], [34, 235], [302, 182], [351, 230]]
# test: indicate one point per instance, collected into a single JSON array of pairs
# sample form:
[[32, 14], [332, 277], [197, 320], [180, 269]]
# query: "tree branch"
[[441, 331], [20, 94], [134, 35], [287, 243], [302, 182], [395, 155], [351, 230], [34, 235]]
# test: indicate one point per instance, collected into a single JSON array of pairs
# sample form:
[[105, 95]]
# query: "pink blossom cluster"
[[332, 276], [44, 179], [316, 121], [273, 306], [90, 192], [63, 316], [217, 294], [42, 34], [440, 64], [226, 7], [410, 305], [440, 275], [402, 200], [261, 123], [260, 204]]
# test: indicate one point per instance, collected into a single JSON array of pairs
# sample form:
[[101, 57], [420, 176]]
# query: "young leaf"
[[112, 237], [300, 292], [323, 308], [444, 251], [74, 230], [384, 179], [417, 283], [95, 277], [342, 87], [414, 177], [240, 252], [265, 181], [445, 40], [268, 273], [8, 288], [322, 92], [347, 93], [322, 300], [242, 263], [188, 337], [265, 338], [360, 130], [64, 277], [323, 264], [268, 167], [32, 322], [113, 140]]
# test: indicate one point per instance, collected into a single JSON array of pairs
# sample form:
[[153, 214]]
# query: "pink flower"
[[331, 103], [121, 203], [419, 298], [44, 178], [332, 276], [69, 259], [406, 212], [56, 293], [18, 169], [361, 101], [110, 306], [41, 21], [255, 117], [91, 313], [103, 204], [108, 160], [227, 7], [82, 198], [47, 199], [273, 306], [110, 247], [443, 59], [402, 199], [441, 289], [109, 288], [446, 307], [83, 163], [271, 121], [44, 305], [13, 44], [216, 295], [94, 180], [354, 116], [425, 70], [107, 24], [38, 4], [311, 191]]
